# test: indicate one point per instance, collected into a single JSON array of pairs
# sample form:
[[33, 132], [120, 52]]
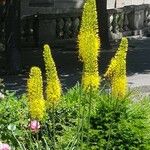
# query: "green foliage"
[[119, 124], [13, 118]]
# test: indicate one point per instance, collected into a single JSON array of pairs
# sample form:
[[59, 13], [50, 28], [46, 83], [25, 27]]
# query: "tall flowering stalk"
[[117, 70], [36, 100], [53, 89], [89, 44]]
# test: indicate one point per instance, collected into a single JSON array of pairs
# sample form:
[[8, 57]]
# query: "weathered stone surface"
[[137, 2], [111, 4], [146, 1], [139, 19], [127, 2], [120, 3]]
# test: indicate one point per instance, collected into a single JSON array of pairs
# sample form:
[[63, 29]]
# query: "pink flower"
[[34, 126], [4, 146]]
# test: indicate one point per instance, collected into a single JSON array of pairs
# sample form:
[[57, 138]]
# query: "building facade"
[[58, 20]]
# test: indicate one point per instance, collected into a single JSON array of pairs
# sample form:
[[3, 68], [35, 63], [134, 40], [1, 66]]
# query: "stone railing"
[[61, 29], [129, 20], [47, 28]]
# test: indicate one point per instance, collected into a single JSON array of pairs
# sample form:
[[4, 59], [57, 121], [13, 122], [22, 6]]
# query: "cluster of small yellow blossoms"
[[117, 70], [90, 80], [89, 44], [53, 88], [36, 100]]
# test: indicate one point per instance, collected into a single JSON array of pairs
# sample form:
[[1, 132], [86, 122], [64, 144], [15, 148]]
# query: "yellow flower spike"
[[116, 71], [51, 72], [89, 17], [36, 100], [89, 46], [53, 88]]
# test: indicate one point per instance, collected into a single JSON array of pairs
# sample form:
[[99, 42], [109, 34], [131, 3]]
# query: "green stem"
[[79, 118], [53, 124], [22, 148], [107, 146], [82, 126], [37, 139], [89, 115]]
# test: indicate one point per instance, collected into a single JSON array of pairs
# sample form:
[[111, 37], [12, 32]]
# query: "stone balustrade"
[[47, 28], [54, 27], [128, 21], [112, 4]]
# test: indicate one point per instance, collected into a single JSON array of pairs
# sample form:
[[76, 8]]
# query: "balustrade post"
[[75, 26]]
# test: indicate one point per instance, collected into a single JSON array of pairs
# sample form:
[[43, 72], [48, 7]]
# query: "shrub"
[[115, 123], [120, 124]]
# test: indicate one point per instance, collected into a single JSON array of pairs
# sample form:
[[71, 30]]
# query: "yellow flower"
[[116, 71], [37, 108], [89, 17], [36, 101], [53, 91], [53, 88], [90, 80], [51, 72], [119, 86], [89, 46]]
